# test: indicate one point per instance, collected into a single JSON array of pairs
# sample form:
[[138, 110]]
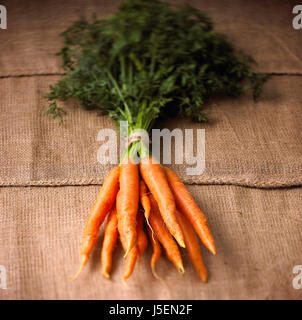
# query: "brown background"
[[250, 191]]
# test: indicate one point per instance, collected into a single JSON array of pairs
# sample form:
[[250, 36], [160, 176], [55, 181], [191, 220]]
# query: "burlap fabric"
[[258, 234], [262, 28], [257, 145], [49, 174]]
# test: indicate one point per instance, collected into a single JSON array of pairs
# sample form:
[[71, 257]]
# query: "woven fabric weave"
[[250, 190]]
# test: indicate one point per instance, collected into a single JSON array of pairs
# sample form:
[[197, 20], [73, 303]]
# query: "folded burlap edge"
[[236, 181]]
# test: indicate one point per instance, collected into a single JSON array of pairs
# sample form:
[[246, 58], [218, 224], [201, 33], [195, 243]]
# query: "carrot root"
[[186, 204], [154, 177], [144, 198], [130, 263], [110, 238], [193, 247], [142, 240], [164, 236], [103, 204], [127, 205], [84, 260], [156, 253]]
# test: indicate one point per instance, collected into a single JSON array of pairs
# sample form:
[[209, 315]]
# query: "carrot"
[[109, 242], [101, 207], [145, 201], [154, 176], [142, 240], [187, 205], [156, 251], [164, 236], [131, 256], [192, 245], [127, 204], [130, 262]]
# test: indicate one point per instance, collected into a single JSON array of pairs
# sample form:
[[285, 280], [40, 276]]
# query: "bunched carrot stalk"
[[109, 242], [192, 245], [154, 176], [188, 206], [140, 73], [164, 236]]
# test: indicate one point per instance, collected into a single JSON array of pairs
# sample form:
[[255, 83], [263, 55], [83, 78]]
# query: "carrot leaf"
[[150, 61]]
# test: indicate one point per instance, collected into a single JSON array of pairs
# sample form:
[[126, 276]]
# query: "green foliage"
[[55, 112], [150, 60]]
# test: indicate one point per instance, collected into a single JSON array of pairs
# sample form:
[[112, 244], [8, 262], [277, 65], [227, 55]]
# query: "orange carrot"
[[103, 204], [131, 256], [142, 240], [127, 203], [192, 245], [130, 263], [109, 242], [188, 206], [164, 236], [154, 176], [156, 251], [144, 198]]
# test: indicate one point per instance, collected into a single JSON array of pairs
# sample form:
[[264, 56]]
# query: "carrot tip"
[[212, 248], [78, 273], [181, 269], [155, 273], [203, 276], [182, 244], [156, 276], [124, 282], [84, 259], [106, 275]]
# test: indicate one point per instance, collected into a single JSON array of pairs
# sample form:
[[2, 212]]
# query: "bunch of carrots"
[[147, 62], [172, 217]]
